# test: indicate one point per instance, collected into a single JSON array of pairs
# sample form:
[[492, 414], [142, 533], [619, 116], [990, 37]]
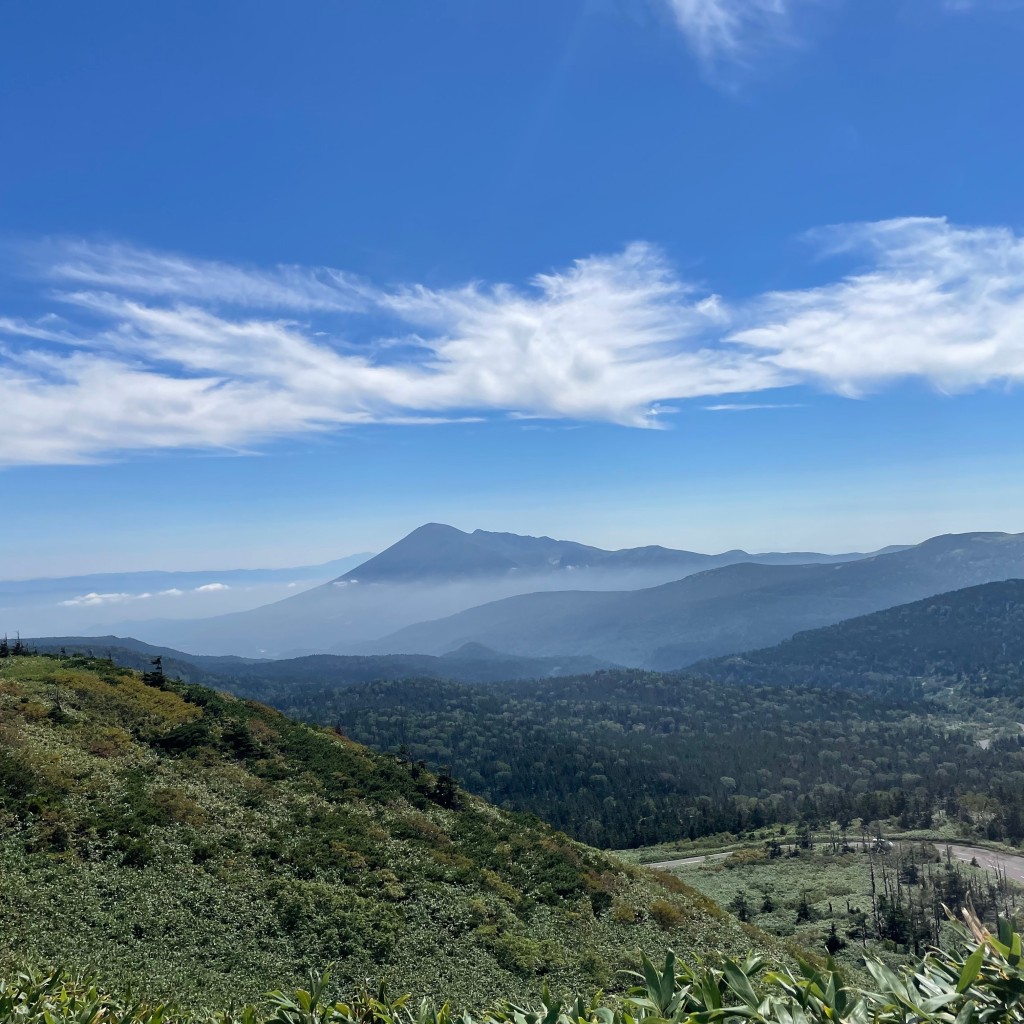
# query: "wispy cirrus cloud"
[[136, 351], [126, 268], [725, 33], [935, 301], [733, 30]]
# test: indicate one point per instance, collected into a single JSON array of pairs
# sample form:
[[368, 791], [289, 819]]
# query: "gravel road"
[[1012, 864], [663, 865]]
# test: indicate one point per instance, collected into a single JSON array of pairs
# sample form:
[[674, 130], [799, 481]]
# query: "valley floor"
[[857, 898]]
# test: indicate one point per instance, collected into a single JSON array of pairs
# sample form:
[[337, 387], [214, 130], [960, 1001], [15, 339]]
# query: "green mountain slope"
[[972, 637], [209, 849]]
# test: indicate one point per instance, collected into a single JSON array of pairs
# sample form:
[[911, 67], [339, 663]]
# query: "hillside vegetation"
[[205, 849], [983, 986]]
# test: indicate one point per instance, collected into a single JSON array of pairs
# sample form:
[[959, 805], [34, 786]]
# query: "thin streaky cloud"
[[751, 406], [126, 268]]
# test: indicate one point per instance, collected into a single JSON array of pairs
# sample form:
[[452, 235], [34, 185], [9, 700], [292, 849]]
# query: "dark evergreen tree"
[[155, 677], [445, 792]]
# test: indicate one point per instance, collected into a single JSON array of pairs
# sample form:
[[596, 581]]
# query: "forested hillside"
[[971, 639], [629, 758], [206, 849]]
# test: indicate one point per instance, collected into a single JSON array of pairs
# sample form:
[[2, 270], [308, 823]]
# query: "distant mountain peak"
[[437, 530], [432, 552]]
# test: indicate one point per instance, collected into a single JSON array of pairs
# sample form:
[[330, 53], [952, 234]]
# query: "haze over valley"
[[435, 570], [439, 589]]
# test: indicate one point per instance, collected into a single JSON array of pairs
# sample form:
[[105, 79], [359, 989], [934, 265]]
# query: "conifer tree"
[[155, 677]]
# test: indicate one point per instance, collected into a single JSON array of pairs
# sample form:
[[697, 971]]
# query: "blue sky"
[[280, 282]]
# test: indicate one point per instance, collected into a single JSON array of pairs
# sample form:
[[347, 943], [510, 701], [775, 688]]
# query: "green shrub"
[[666, 914], [518, 952]]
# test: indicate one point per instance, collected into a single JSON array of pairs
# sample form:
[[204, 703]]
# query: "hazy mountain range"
[[720, 611], [436, 571], [507, 596], [439, 552]]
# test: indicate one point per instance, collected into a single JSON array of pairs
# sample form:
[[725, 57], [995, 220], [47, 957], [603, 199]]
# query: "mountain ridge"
[[437, 550], [718, 611], [260, 676]]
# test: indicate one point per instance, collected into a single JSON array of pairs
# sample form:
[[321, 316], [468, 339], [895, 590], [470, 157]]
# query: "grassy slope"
[[199, 846]]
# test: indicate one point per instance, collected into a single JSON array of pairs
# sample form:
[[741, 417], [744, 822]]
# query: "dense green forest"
[[909, 715], [205, 848], [630, 758]]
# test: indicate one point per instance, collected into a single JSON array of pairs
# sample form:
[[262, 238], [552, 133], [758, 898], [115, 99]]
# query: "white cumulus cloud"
[[212, 588]]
